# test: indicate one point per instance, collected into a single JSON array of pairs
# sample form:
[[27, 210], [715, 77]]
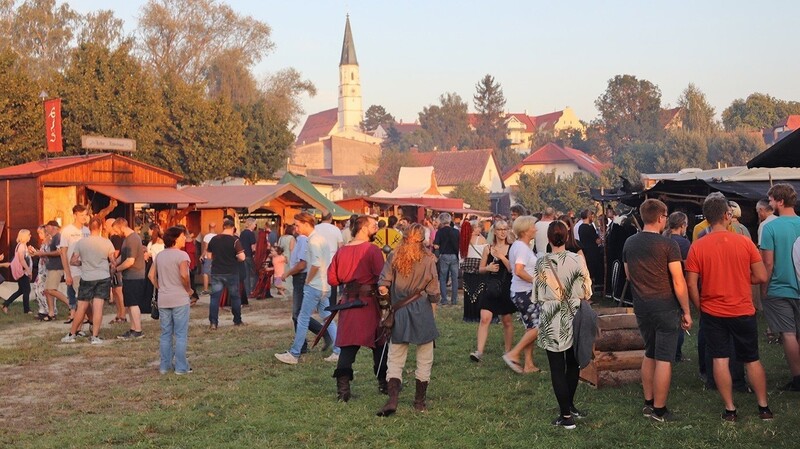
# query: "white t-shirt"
[[761, 227], [575, 230], [70, 235], [521, 253], [332, 235], [541, 237]]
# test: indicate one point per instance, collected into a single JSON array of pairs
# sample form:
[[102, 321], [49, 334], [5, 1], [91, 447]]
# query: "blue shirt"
[[300, 252], [779, 236]]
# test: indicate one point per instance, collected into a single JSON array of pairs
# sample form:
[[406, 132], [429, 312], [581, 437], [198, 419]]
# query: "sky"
[[546, 55]]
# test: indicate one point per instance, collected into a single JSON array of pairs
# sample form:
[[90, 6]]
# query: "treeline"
[[182, 85]]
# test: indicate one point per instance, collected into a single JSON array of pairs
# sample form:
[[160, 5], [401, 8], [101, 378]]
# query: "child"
[[279, 263]]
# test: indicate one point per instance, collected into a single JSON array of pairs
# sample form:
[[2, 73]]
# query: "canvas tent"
[[301, 182]]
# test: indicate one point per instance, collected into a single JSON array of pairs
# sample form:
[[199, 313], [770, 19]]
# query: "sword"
[[324, 328]]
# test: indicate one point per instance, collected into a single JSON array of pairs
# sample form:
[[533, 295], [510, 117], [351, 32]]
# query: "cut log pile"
[[618, 349]]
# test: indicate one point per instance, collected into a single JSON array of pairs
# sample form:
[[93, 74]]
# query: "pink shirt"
[[279, 263]]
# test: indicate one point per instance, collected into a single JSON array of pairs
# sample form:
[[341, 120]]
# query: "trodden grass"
[[239, 396]]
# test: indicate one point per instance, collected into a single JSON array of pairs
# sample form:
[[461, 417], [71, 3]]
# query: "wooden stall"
[[618, 350]]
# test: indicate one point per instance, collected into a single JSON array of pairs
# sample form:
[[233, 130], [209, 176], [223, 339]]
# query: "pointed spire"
[[348, 48]]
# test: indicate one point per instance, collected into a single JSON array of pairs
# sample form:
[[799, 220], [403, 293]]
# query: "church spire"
[[348, 48]]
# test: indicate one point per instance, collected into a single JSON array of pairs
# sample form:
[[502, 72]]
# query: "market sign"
[[107, 143]]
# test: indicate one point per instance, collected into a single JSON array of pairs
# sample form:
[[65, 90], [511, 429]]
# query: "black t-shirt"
[[248, 239], [54, 263], [117, 240], [447, 239], [683, 244], [223, 249], [648, 255]]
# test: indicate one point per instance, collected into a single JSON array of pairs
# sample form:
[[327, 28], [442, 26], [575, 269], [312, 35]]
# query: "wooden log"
[[619, 340], [589, 374], [614, 311], [618, 321], [618, 360], [617, 378]]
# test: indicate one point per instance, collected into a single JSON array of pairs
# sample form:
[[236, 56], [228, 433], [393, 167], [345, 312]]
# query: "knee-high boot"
[[391, 404], [419, 397], [343, 378]]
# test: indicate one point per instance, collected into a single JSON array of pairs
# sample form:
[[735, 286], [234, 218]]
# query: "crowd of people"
[[377, 284]]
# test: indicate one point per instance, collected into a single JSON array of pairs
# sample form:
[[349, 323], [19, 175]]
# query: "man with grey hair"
[[765, 215], [446, 241]]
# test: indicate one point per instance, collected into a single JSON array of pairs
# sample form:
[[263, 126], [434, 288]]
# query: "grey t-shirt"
[[94, 251], [648, 256], [171, 292], [132, 247]]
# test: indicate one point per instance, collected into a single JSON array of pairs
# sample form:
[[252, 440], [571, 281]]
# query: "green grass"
[[58, 396]]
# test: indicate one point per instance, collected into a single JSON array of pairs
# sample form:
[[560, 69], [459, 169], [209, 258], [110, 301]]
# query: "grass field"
[[239, 396]]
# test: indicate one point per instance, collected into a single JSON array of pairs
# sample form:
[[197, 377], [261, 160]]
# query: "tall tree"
[[683, 149], [733, 148], [107, 92], [228, 77], [102, 28], [489, 102], [473, 194], [757, 112], [375, 116], [282, 90], [182, 37], [629, 111], [385, 177], [267, 142], [446, 125], [21, 114], [697, 114]]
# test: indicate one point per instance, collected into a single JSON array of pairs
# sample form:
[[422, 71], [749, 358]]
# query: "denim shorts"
[[89, 290], [660, 331], [529, 311]]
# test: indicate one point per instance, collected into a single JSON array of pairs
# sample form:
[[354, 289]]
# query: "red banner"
[[52, 122]]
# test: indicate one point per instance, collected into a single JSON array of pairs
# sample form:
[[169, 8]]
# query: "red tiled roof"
[[317, 126], [53, 163], [405, 128], [554, 154], [547, 121], [792, 122], [527, 120], [668, 115], [455, 167]]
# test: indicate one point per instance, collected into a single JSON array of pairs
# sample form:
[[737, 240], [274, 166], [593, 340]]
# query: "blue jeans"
[[231, 283], [174, 322], [313, 299], [448, 265]]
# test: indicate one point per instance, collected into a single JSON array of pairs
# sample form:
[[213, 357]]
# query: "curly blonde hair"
[[411, 250]]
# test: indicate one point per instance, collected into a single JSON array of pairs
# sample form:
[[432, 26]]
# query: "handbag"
[[16, 266], [154, 313]]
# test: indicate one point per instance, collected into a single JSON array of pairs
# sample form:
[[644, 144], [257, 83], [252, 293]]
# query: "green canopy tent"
[[302, 183]]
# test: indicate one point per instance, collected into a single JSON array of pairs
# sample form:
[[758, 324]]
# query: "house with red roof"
[[332, 140], [782, 129], [552, 158], [670, 119], [455, 167], [521, 127]]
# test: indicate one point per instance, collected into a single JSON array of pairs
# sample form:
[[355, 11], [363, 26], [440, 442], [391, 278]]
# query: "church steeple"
[[351, 111], [348, 48]]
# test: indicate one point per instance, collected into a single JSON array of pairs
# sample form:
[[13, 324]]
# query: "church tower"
[[351, 110]]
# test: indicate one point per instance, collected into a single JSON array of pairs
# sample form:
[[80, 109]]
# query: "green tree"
[[268, 141], [536, 191], [475, 195], [107, 92], [22, 136], [697, 115], [683, 149], [201, 139], [757, 112], [629, 111], [445, 125], [638, 157], [489, 102], [375, 116], [228, 77], [733, 148], [385, 177], [282, 91], [183, 37]]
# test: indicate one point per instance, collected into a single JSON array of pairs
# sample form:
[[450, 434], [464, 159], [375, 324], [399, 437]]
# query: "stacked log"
[[618, 349]]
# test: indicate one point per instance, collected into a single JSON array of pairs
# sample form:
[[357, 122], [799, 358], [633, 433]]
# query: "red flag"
[[52, 121]]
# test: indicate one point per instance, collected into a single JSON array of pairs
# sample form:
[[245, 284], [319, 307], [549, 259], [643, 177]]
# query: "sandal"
[[48, 318], [513, 364]]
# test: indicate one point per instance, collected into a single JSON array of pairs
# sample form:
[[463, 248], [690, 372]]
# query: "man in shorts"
[[55, 269], [781, 296], [660, 302], [95, 255], [727, 263], [131, 264]]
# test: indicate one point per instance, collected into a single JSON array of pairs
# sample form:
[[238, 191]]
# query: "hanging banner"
[[52, 122]]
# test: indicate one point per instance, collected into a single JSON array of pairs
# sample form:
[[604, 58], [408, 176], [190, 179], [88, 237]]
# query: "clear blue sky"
[[546, 55]]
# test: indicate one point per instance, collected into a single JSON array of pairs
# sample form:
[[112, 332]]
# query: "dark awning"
[[146, 194], [784, 153]]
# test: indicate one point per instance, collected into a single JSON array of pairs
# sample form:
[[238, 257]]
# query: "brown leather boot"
[[391, 404], [419, 397], [343, 378]]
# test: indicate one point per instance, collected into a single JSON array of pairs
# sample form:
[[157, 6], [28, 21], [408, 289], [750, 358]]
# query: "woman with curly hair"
[[410, 275]]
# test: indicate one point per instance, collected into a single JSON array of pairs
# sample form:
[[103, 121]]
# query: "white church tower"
[[351, 110]]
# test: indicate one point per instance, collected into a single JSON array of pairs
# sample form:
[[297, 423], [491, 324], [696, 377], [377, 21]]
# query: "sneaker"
[[69, 338], [567, 423], [240, 323], [729, 415], [95, 340], [476, 356], [765, 414], [212, 327], [666, 417], [287, 358], [332, 358], [579, 414], [181, 373], [647, 410], [81, 334], [130, 335], [205, 292]]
